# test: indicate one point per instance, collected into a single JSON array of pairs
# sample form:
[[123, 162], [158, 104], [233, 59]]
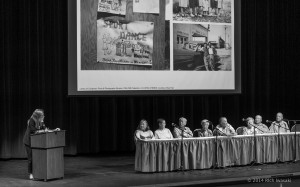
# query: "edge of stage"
[[119, 171]]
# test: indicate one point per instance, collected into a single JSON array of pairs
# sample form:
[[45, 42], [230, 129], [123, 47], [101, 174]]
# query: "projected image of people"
[[202, 47], [218, 11]]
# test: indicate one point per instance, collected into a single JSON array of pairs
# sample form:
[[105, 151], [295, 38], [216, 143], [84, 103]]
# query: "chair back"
[[296, 127], [240, 130]]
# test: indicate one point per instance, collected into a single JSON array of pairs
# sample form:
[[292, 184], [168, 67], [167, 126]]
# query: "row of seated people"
[[143, 131]]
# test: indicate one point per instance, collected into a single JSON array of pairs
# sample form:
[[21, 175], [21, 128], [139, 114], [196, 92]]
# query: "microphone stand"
[[278, 142], [295, 139], [295, 143], [254, 162], [182, 153], [216, 147], [181, 142]]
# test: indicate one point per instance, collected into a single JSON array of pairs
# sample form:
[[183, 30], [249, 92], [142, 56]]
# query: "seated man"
[[261, 128], [224, 128], [182, 130], [205, 132], [279, 124], [249, 130]]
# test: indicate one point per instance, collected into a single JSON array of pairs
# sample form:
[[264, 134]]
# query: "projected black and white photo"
[[146, 53], [146, 6], [202, 47], [124, 42], [112, 6], [218, 11]]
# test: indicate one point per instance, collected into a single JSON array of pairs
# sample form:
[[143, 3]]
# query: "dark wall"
[[33, 71]]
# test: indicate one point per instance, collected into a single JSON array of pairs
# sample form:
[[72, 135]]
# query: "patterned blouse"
[[187, 133], [205, 133]]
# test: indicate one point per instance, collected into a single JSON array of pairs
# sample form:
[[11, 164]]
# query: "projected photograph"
[[112, 6], [145, 53], [146, 6], [124, 42], [202, 47], [218, 11]]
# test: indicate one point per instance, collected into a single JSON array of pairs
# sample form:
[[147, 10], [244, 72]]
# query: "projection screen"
[[154, 47]]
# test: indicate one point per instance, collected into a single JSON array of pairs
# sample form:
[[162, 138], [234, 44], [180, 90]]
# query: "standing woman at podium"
[[34, 124]]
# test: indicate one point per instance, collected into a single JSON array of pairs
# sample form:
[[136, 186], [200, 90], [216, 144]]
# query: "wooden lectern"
[[48, 155]]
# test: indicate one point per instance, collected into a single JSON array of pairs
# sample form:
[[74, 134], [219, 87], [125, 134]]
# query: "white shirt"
[[163, 134]]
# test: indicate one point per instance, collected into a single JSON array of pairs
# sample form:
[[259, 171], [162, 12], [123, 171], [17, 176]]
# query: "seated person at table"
[[224, 128], [143, 131], [162, 132], [279, 124], [262, 128], [181, 129], [249, 130], [205, 132]]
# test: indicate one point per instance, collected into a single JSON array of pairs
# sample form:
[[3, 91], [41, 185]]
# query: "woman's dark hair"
[[142, 121], [160, 120]]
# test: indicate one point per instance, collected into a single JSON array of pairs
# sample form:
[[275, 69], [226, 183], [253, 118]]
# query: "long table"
[[201, 153]]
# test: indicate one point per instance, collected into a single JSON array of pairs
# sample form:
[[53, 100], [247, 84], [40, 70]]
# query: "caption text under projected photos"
[[174, 78]]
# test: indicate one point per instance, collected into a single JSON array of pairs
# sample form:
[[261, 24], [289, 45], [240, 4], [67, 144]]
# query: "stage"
[[119, 171]]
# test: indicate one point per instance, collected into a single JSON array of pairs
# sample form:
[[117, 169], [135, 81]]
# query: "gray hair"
[[183, 119]]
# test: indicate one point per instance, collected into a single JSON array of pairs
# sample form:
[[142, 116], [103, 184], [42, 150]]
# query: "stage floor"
[[119, 171]]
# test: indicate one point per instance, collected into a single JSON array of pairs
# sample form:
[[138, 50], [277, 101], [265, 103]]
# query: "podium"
[[48, 155]]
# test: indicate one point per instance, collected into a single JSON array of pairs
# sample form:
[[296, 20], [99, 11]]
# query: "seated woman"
[[162, 132], [249, 130], [205, 132], [143, 131], [181, 130]]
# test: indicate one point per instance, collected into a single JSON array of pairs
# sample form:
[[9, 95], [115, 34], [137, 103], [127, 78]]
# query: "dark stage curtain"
[[33, 72]]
